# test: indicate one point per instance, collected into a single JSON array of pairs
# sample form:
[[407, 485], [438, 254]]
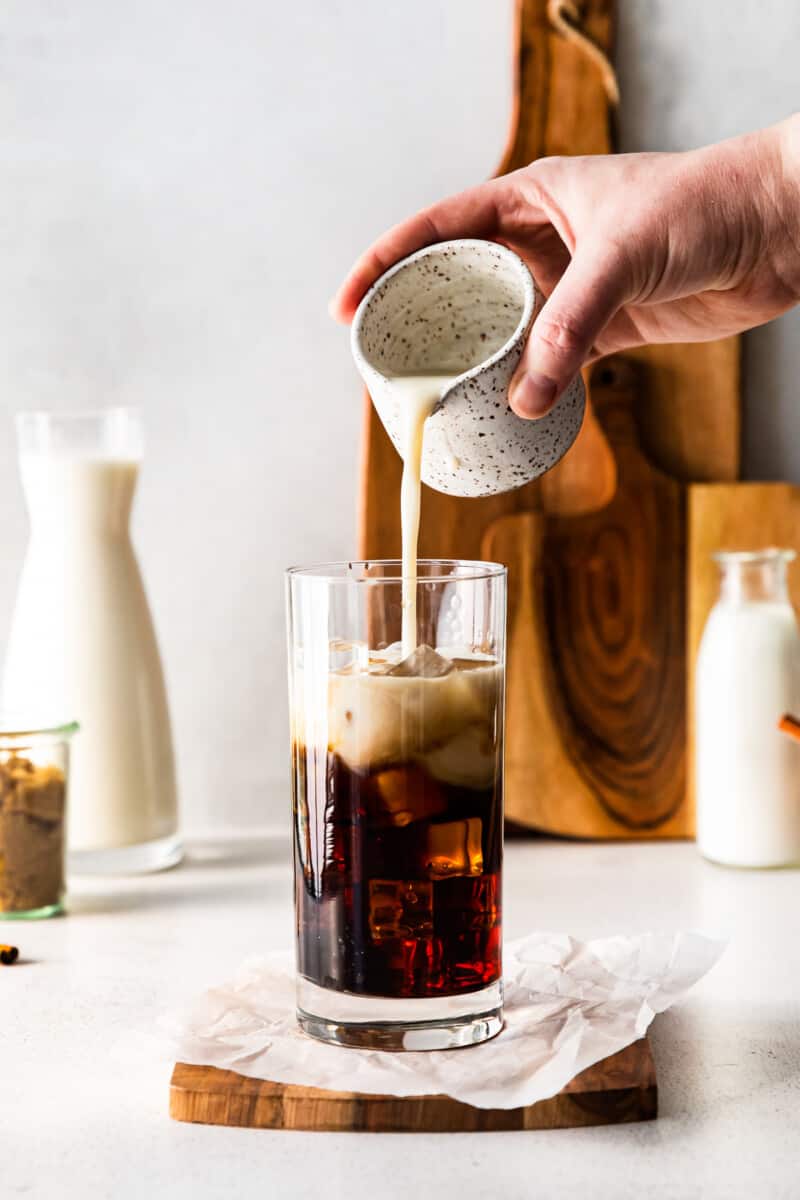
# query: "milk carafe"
[[748, 675], [82, 642]]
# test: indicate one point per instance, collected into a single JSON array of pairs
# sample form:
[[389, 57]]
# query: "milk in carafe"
[[82, 642]]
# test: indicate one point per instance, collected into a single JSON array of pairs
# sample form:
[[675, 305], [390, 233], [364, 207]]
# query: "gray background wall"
[[181, 187]]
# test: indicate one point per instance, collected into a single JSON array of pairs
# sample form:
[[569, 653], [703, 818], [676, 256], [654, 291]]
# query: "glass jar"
[[34, 774], [747, 772], [397, 766]]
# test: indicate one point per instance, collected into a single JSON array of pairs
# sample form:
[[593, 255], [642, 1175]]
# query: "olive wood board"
[[596, 644], [687, 414], [619, 1089]]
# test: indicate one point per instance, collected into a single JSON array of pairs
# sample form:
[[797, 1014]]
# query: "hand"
[[629, 249]]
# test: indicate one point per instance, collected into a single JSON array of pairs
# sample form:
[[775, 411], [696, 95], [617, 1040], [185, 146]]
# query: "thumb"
[[582, 303]]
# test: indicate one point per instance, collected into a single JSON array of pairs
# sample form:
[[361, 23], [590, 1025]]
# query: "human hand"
[[629, 249]]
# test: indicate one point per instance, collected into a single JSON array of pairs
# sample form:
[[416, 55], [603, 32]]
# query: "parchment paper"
[[568, 1004]]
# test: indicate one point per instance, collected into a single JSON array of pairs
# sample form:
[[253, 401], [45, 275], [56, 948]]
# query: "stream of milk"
[[418, 396]]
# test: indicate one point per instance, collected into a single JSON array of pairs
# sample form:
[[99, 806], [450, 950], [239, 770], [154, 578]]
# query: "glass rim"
[[335, 572], [77, 414], [14, 727], [526, 309], [751, 557]]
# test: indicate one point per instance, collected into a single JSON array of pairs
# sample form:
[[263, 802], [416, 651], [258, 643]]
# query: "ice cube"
[[472, 663], [347, 656], [423, 663], [400, 908], [468, 759], [407, 794], [453, 848]]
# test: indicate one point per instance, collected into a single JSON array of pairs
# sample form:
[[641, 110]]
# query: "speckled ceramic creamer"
[[463, 307]]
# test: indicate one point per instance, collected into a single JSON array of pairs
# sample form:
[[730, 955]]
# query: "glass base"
[[380, 1023], [34, 914], [724, 860], [128, 860]]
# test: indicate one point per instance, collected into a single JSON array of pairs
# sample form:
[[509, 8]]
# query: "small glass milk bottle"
[[82, 639], [747, 773]]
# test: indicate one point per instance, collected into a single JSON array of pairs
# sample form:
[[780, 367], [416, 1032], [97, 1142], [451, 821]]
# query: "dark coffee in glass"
[[397, 796]]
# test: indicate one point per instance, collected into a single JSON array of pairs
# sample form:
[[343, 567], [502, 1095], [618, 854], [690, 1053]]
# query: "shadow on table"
[[220, 871], [238, 852]]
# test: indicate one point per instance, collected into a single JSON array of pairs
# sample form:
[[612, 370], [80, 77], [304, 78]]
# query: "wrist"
[[787, 203]]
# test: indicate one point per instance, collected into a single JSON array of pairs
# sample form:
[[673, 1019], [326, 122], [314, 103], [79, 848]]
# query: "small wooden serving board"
[[620, 1089]]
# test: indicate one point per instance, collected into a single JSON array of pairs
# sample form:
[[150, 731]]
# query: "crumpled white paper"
[[568, 1004]]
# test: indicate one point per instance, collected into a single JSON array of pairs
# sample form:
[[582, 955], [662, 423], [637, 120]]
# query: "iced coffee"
[[398, 835], [397, 764]]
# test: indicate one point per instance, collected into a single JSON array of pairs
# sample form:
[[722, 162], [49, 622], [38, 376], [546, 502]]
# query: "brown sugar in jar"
[[33, 798]]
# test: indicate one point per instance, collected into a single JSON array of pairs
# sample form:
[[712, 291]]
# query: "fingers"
[[584, 300], [469, 214]]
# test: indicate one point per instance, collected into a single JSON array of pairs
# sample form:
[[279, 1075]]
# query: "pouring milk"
[[418, 396]]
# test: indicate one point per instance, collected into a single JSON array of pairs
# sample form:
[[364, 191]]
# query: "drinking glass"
[[397, 774]]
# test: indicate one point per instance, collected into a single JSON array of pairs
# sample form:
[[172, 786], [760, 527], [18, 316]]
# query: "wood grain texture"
[[543, 786], [596, 663], [617, 1090], [614, 601], [688, 420], [690, 412], [559, 103], [738, 516]]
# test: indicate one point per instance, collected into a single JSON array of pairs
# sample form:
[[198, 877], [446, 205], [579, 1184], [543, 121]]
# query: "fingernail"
[[532, 394]]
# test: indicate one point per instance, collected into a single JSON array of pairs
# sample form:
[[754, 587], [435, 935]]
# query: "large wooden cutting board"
[[619, 1089], [688, 417], [596, 658]]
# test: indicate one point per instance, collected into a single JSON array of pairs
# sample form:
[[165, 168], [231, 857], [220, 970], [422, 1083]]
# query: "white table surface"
[[84, 1114]]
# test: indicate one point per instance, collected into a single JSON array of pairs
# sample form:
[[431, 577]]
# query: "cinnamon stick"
[[791, 725]]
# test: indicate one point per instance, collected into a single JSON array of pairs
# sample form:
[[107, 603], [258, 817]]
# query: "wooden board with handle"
[[620, 1089], [688, 418], [737, 516]]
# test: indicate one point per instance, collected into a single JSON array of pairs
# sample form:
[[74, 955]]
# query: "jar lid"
[[751, 557], [15, 727]]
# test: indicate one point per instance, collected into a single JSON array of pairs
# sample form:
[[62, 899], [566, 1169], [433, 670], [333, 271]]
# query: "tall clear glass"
[[82, 640], [397, 770]]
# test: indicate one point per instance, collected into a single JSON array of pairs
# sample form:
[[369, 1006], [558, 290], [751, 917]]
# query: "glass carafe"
[[82, 641], [748, 674]]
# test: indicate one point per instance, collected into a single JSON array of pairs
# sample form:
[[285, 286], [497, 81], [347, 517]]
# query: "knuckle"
[[560, 334], [551, 162], [537, 181]]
